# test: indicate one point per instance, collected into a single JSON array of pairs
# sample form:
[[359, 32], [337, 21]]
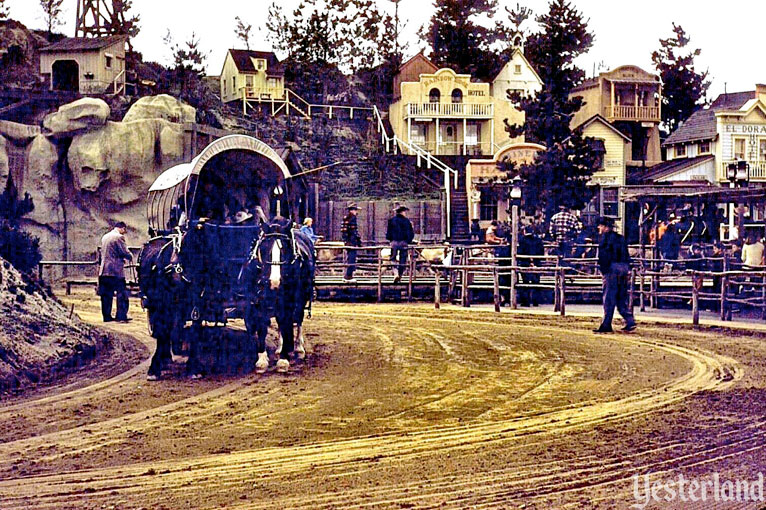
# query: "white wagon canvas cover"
[[236, 173]]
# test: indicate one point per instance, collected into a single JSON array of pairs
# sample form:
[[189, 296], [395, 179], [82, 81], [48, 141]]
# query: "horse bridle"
[[256, 251], [175, 267]]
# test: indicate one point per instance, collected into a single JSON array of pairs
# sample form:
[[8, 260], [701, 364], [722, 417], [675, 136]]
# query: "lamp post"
[[515, 196], [738, 175]]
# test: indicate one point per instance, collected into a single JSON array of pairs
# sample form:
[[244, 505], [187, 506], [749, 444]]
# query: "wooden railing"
[[462, 110], [630, 112], [277, 93]]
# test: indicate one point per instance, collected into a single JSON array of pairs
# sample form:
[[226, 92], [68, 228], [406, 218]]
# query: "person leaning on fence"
[[400, 233], [308, 230], [111, 273], [349, 232], [563, 229], [614, 263]]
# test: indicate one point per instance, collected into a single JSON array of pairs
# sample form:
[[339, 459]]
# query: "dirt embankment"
[[39, 338]]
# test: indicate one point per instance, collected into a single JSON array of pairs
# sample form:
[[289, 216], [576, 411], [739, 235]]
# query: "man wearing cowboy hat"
[[614, 263], [349, 231], [401, 234]]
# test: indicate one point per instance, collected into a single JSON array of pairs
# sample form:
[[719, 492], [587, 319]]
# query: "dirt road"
[[400, 407]]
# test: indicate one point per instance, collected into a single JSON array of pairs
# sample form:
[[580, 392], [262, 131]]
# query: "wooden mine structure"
[[98, 18]]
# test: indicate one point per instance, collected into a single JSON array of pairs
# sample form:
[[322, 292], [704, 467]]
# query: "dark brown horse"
[[278, 281], [164, 290]]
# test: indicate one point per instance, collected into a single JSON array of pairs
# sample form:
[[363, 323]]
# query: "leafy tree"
[[52, 12], [242, 31], [559, 176], [121, 22], [684, 89], [323, 36], [458, 41], [16, 246], [5, 11]]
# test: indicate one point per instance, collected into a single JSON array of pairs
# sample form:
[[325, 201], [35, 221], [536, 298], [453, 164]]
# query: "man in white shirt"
[[752, 252]]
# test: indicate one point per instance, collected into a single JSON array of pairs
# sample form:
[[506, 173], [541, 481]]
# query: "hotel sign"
[[745, 129]]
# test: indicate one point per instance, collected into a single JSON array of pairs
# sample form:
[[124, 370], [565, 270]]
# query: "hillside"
[[361, 170], [38, 338]]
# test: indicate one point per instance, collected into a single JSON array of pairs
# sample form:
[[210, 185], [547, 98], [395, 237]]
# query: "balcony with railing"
[[450, 110], [757, 170], [264, 93], [632, 113], [456, 148]]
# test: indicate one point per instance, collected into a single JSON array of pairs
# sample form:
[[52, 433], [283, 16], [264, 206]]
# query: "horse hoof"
[[152, 377], [196, 377], [262, 364], [283, 366], [300, 353]]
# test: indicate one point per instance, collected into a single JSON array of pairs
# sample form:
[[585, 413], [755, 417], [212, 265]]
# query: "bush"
[[19, 248]]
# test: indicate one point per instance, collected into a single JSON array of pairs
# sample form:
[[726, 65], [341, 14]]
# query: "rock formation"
[[84, 172], [162, 106], [82, 115]]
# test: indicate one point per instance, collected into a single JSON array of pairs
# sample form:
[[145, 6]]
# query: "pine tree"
[[242, 31], [684, 89], [19, 248], [559, 176], [457, 41], [52, 14]]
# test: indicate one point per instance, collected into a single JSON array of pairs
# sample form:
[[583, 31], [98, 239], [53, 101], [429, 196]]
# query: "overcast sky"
[[730, 33]]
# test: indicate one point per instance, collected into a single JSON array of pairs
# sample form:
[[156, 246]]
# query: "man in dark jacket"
[[111, 273], [349, 232], [614, 263], [401, 234], [530, 244]]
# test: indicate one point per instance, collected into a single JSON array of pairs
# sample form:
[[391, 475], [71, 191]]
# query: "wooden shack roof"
[[84, 43]]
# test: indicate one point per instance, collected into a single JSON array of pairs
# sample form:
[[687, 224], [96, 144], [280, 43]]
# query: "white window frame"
[[680, 150], [735, 155], [704, 147]]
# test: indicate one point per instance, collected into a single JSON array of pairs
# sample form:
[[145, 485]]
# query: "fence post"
[[466, 302], [695, 301], [631, 296], [724, 294], [641, 284], [380, 275], [514, 297], [763, 296], [556, 293], [412, 253], [563, 300], [496, 289], [437, 289]]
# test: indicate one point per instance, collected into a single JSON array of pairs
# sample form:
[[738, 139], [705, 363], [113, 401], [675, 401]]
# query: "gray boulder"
[[82, 115]]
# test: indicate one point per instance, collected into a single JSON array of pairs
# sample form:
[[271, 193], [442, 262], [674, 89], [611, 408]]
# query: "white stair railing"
[[421, 154]]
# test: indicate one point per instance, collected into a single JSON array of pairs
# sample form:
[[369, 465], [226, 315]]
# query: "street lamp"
[[738, 174], [515, 199]]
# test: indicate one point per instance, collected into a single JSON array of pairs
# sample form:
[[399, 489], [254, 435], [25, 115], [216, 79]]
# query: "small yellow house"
[[92, 65], [252, 75], [517, 75], [446, 113], [613, 150]]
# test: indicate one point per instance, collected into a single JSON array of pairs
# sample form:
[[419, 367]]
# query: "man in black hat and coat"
[[401, 234], [614, 263], [349, 231]]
